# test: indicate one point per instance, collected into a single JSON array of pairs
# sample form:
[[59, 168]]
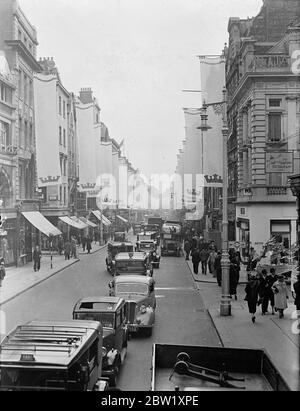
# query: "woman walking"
[[280, 295], [211, 262], [252, 290], [196, 260]]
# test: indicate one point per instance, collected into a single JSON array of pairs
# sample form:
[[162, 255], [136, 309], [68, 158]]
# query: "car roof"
[[102, 304], [120, 243], [136, 256], [142, 279], [48, 343]]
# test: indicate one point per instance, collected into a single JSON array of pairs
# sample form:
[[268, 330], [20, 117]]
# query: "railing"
[[10, 150], [275, 191]]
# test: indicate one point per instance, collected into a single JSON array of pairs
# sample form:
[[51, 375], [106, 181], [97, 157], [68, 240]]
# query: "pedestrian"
[[263, 291], [73, 247], [88, 245], [204, 254], [2, 272], [211, 262], [269, 294], [195, 259], [37, 255], [280, 295], [233, 277], [83, 242], [218, 268], [187, 249], [252, 290], [67, 250], [60, 245], [296, 293]]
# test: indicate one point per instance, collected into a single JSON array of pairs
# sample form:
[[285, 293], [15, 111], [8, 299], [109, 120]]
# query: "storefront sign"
[[279, 162]]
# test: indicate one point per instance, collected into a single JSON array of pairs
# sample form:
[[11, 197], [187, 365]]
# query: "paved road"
[[180, 318]]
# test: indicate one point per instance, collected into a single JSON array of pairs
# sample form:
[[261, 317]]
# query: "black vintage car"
[[114, 248], [112, 313], [151, 249]]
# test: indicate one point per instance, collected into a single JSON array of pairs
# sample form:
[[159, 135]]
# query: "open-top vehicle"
[[149, 247], [111, 312], [132, 263], [53, 356], [114, 248], [139, 294], [200, 368]]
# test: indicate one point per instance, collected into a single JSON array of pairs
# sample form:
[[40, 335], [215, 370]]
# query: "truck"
[[171, 238], [156, 220], [204, 368], [53, 356]]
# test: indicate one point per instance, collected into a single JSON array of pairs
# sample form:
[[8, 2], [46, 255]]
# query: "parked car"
[[53, 356], [139, 293], [149, 247], [114, 248], [132, 263], [111, 312]]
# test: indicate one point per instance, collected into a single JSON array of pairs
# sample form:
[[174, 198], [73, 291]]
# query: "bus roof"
[[48, 343]]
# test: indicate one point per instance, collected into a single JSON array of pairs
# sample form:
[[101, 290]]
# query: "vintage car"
[[120, 236], [114, 248], [136, 228], [111, 312], [132, 263], [139, 294], [149, 247], [153, 230], [53, 356]]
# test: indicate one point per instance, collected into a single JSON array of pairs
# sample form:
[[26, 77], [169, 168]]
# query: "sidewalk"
[[208, 278], [20, 279], [268, 332]]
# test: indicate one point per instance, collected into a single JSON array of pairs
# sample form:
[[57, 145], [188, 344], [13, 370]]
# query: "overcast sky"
[[137, 55]]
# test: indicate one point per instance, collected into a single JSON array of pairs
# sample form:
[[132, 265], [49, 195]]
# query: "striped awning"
[[98, 215], [41, 223], [74, 222], [88, 222], [122, 219]]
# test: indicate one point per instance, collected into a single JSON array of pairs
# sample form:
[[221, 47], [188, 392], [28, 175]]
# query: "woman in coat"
[[252, 290], [280, 295], [196, 260], [211, 262]]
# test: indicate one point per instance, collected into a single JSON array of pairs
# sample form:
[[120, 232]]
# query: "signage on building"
[[279, 162]]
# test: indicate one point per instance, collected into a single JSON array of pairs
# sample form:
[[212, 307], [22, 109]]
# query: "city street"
[[180, 317]]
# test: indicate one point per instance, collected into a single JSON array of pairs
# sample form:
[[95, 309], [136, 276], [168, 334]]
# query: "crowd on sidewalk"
[[210, 258]]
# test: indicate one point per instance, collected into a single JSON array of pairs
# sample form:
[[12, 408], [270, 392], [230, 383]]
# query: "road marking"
[[174, 288]]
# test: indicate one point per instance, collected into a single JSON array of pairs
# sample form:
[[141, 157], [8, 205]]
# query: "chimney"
[[86, 95], [48, 65]]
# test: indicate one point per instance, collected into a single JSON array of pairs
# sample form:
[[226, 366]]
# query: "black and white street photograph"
[[149, 198]]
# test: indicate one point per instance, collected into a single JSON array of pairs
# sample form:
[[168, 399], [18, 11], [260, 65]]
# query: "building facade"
[[18, 39], [264, 118]]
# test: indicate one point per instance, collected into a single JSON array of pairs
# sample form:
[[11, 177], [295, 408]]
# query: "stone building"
[[18, 39], [264, 116]]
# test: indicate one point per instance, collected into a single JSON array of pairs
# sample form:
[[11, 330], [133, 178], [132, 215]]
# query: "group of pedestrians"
[[270, 289]]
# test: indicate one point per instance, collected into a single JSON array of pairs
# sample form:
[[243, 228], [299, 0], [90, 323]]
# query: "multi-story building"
[[18, 38], [264, 117], [8, 156], [73, 159], [53, 128]]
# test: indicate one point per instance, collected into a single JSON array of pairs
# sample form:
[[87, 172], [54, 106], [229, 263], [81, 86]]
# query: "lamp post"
[[225, 305]]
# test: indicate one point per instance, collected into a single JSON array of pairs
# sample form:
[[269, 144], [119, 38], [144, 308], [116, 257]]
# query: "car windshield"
[[132, 288], [147, 246], [127, 266], [106, 319], [28, 379]]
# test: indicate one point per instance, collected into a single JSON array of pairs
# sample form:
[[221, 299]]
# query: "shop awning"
[[122, 219], [41, 223], [75, 223], [105, 220], [88, 222]]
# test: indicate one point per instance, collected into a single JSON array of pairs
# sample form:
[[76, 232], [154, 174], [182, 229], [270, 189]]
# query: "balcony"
[[277, 191], [265, 193]]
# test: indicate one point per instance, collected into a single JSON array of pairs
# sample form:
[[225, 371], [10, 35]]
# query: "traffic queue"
[[86, 353]]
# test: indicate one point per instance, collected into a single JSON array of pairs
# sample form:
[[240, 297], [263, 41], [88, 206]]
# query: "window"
[[20, 84], [59, 106], [65, 167], [4, 135], [64, 142], [25, 88], [274, 126], [274, 102], [60, 136], [60, 193], [31, 93], [65, 195], [64, 109]]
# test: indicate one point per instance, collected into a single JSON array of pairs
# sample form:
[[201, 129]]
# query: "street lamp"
[[225, 305]]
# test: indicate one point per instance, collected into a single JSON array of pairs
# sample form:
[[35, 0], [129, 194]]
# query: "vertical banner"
[[212, 71]]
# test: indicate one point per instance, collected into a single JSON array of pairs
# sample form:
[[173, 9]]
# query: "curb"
[[37, 283], [215, 327], [92, 252]]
